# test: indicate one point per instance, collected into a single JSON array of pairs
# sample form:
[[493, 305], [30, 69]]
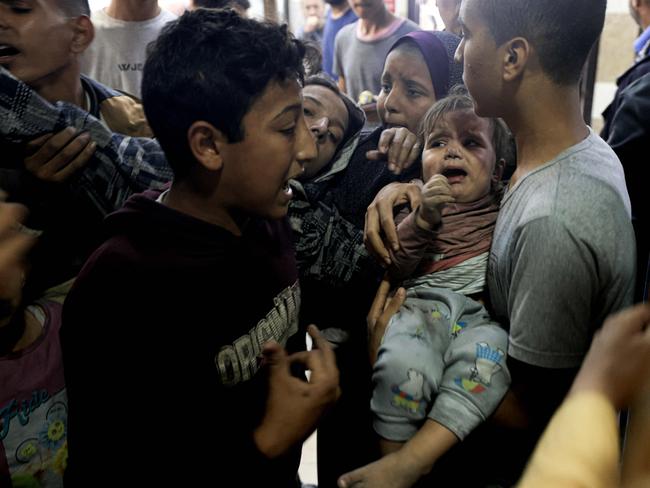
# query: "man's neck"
[[198, 201], [338, 11], [547, 124], [64, 86], [644, 17], [376, 22], [133, 10]]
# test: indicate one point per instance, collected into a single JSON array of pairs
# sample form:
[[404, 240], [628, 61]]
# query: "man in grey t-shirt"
[[360, 48], [563, 253]]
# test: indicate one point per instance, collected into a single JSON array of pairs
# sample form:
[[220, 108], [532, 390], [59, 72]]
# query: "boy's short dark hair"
[[561, 31], [212, 65], [74, 8], [243, 4], [459, 99]]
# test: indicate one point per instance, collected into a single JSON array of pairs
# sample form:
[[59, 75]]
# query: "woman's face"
[[406, 88], [327, 118]]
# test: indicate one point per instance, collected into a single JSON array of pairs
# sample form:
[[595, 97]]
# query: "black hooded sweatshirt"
[[161, 340]]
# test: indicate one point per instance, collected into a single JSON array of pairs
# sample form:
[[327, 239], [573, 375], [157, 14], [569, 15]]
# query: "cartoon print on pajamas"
[[486, 365], [408, 395]]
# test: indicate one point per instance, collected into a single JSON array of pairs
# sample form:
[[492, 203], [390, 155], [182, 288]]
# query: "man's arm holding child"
[[417, 230]]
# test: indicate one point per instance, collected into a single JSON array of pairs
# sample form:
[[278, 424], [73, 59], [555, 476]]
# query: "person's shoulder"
[[102, 20], [166, 16], [120, 111], [587, 173], [94, 88], [583, 187], [636, 71], [350, 16], [639, 90], [345, 36], [347, 30], [595, 165], [409, 26]]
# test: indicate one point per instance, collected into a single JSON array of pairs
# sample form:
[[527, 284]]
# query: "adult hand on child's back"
[[381, 311], [380, 222], [294, 406], [399, 147], [56, 157], [435, 194], [618, 362]]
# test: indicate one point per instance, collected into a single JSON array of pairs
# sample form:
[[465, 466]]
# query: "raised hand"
[[294, 406], [15, 242], [435, 194], [618, 361], [399, 147]]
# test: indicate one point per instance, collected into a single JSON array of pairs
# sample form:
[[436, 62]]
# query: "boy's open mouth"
[[454, 175], [7, 51], [286, 188]]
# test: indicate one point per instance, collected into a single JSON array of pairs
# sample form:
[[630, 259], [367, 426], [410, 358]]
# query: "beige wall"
[[616, 55]]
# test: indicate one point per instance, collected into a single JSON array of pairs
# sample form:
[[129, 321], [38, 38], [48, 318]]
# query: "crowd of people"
[[184, 197]]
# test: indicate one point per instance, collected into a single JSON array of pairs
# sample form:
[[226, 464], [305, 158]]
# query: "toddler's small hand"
[[435, 194]]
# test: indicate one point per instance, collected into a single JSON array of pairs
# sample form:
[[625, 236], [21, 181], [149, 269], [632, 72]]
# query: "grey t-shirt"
[[362, 62], [563, 255]]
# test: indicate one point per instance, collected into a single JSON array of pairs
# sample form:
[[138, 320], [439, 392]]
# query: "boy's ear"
[[516, 57], [499, 168], [207, 143], [84, 33]]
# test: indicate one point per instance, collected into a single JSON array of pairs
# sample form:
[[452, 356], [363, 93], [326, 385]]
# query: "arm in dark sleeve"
[[121, 165], [328, 247]]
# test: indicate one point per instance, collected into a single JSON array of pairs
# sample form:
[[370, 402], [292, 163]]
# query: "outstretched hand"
[[618, 362], [56, 157], [399, 147], [294, 406], [14, 245], [382, 310]]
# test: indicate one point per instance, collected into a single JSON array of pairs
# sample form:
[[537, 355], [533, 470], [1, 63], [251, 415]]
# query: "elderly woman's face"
[[327, 118]]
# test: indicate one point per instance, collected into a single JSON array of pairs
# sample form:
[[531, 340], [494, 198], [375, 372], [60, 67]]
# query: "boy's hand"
[[399, 147], [382, 310], [435, 194], [618, 361], [380, 221], [14, 245], [56, 157], [294, 407]]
